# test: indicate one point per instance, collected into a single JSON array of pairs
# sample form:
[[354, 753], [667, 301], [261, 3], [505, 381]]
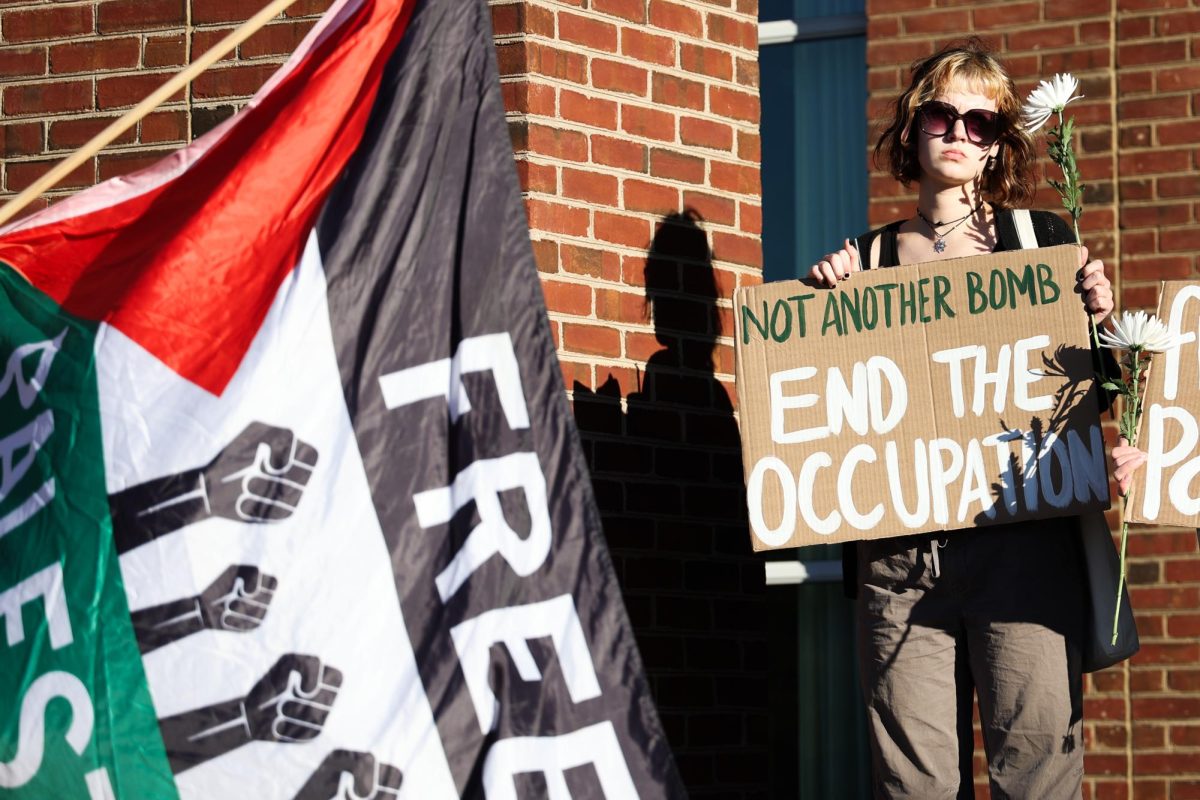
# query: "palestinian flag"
[[291, 501]]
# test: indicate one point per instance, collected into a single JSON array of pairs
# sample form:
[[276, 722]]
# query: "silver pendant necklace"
[[939, 239]]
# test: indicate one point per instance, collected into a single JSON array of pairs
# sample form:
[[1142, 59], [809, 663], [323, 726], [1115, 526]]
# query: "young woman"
[[996, 611]]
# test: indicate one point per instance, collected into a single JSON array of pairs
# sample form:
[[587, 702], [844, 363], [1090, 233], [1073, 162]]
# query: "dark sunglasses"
[[937, 119]]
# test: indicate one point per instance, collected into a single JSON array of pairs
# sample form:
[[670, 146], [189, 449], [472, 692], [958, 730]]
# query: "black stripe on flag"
[[455, 394]]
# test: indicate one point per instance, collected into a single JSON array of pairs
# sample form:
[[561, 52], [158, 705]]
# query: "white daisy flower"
[[1050, 97], [1139, 332]]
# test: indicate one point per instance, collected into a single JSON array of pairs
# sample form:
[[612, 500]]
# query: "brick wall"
[[1139, 129], [635, 125]]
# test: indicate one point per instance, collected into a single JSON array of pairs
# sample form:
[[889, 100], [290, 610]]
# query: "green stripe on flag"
[[76, 718]]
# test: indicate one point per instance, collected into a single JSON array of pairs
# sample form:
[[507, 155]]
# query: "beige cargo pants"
[[995, 611]]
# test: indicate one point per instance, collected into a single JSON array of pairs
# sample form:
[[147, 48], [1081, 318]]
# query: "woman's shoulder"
[[884, 253], [1048, 227]]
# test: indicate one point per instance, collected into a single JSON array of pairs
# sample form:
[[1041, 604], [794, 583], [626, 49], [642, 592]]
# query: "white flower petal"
[[1137, 330]]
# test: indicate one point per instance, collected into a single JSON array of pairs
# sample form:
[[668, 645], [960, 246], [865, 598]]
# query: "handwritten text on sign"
[[1167, 490], [930, 397]]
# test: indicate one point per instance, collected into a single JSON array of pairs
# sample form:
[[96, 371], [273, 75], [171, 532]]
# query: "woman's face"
[[952, 159]]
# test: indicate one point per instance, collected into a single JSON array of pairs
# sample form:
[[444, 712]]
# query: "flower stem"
[[1121, 578]]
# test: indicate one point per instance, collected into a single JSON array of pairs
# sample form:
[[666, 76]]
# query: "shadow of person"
[[666, 466]]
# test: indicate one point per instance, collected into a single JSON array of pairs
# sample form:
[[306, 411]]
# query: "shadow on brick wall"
[[667, 470]]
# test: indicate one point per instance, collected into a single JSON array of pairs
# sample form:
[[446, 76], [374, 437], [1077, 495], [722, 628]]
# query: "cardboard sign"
[[935, 396], [1166, 491]]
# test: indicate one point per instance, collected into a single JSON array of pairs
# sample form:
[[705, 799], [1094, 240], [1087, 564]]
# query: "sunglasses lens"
[[982, 129], [935, 119]]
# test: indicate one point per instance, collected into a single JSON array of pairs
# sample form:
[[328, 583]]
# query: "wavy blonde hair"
[[1010, 181]]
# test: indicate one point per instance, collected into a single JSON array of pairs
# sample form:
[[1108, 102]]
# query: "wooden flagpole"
[[135, 114]]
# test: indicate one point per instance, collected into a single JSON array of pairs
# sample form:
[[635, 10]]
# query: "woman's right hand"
[[836, 266]]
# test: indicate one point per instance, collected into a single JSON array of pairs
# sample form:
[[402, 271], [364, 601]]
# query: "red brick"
[[1180, 626], [648, 47], [618, 77], [129, 90], [22, 62], [1098, 32], [737, 249], [879, 7], [307, 8], [622, 229], [1150, 216], [21, 139], [587, 32], [1095, 764], [556, 63], [736, 32], [1156, 268], [139, 15], [163, 126], [208, 38], [597, 340], [653, 198], [594, 111], [537, 177], [95, 56], [1074, 9], [941, 21], [112, 165], [641, 346], [1164, 763], [529, 98], [1186, 239], [619, 153], [705, 133], [1037, 38], [557, 143], [71, 134], [648, 122], [164, 51], [209, 11], [48, 98], [1153, 107], [617, 306], [1175, 24], [567, 298], [674, 91], [734, 178], [238, 81], [1184, 680], [676, 17], [1185, 653], [706, 61], [1151, 161], [275, 40], [1174, 79], [556, 217], [1079, 60], [1150, 53], [676, 166], [632, 10], [892, 53], [749, 146], [1005, 15], [747, 72], [47, 22], [1146, 543], [591, 261], [545, 255], [592, 187], [1134, 28], [733, 104], [751, 218], [1187, 571], [713, 209], [19, 175]]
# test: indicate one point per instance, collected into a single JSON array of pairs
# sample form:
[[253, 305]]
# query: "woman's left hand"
[[1095, 288], [1126, 461]]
